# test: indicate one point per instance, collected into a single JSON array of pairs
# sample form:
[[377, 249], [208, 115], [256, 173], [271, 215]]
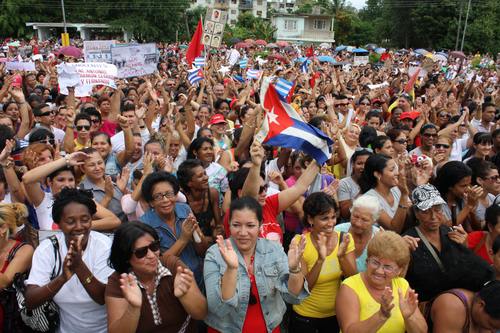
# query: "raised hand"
[[74, 254], [472, 195], [344, 244], [227, 252], [18, 95], [67, 272], [77, 158], [188, 227], [321, 241], [458, 235], [7, 150], [256, 153], [130, 289], [386, 305], [123, 122], [122, 179], [408, 303], [108, 187], [148, 163], [295, 252], [183, 281]]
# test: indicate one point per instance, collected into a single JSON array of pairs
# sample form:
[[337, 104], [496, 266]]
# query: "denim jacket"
[[271, 276]]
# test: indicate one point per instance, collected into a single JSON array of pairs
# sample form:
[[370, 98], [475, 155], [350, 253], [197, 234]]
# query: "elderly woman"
[[364, 214], [328, 256], [173, 221], [379, 300], [439, 261], [71, 269], [149, 292], [248, 278]]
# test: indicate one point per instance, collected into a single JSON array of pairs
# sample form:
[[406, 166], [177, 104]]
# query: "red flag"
[[195, 47], [411, 83], [312, 80], [310, 52]]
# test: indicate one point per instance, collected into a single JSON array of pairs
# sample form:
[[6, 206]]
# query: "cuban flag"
[[253, 74], [199, 62], [243, 63], [195, 75], [304, 65], [283, 127], [284, 89], [239, 78]]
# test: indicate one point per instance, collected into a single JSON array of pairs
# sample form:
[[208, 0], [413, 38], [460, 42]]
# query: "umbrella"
[[282, 43], [289, 49], [260, 42], [457, 54], [325, 45], [421, 52], [71, 51], [302, 59], [271, 45], [278, 57], [241, 45], [249, 41], [183, 46], [340, 48], [360, 50], [440, 57], [371, 46], [380, 50], [350, 48], [234, 40], [326, 59]]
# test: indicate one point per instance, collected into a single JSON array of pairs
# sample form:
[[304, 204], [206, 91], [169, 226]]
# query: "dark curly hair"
[[155, 178], [70, 195], [318, 203], [196, 145], [185, 172]]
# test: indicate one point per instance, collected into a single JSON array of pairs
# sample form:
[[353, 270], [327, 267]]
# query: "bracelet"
[[7, 165], [67, 158], [297, 270], [88, 279], [403, 207]]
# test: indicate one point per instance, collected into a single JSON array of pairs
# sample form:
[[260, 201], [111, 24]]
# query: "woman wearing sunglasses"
[[82, 125], [399, 141], [150, 292], [442, 151], [378, 299], [247, 278]]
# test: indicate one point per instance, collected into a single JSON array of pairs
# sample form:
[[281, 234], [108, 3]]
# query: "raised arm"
[[288, 197], [124, 156]]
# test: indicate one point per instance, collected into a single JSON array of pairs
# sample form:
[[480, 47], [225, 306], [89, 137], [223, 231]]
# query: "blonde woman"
[[15, 257]]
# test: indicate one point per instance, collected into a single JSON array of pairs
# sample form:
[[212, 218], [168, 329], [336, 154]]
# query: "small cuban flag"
[[284, 88], [253, 74], [303, 66], [243, 63], [195, 75], [199, 62], [239, 78]]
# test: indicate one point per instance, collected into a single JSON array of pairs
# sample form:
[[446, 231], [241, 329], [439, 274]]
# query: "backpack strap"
[[57, 256], [14, 249]]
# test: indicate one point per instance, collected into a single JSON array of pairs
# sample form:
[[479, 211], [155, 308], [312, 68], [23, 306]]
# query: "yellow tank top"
[[321, 301], [369, 306]]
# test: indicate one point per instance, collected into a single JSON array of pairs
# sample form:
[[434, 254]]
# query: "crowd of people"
[[152, 207]]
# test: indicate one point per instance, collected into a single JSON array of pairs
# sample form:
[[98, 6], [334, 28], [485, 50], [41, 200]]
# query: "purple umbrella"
[[71, 51]]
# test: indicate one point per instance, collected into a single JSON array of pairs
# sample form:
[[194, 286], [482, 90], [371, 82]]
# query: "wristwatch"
[[88, 279]]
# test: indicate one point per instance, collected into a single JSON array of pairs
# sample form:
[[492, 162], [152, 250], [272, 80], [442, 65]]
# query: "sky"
[[357, 3]]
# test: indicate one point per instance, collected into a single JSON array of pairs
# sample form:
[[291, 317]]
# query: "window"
[[320, 24], [233, 21], [234, 1], [233, 11], [282, 5], [259, 13], [259, 2], [290, 25]]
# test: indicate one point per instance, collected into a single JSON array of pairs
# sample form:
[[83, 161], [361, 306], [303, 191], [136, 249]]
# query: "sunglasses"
[[142, 251], [81, 127], [45, 114], [401, 141], [48, 141], [493, 178], [430, 135], [441, 145]]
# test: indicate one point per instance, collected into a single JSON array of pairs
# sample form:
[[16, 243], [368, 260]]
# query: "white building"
[[258, 8], [281, 6], [315, 28]]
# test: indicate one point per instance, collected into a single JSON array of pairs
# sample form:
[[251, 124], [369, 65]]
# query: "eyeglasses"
[[81, 127], [376, 265], [263, 189], [45, 114], [365, 104], [48, 141], [493, 178], [441, 145], [95, 121], [402, 141], [430, 135], [160, 196], [142, 251]]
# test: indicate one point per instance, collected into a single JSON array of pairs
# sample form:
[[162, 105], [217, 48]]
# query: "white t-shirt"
[[78, 312], [458, 147], [118, 140], [390, 210], [44, 212]]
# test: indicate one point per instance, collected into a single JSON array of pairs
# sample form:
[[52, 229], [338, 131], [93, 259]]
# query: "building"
[[281, 6], [316, 27], [86, 31], [258, 8]]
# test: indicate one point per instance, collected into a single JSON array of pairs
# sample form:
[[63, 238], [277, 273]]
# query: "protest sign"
[[98, 50], [83, 76], [134, 60], [360, 60], [215, 21], [20, 66]]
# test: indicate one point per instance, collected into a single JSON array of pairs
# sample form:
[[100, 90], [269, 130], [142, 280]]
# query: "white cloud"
[[357, 3]]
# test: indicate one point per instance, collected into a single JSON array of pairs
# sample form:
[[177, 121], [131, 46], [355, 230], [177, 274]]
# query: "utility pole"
[[64, 16], [465, 26], [459, 24]]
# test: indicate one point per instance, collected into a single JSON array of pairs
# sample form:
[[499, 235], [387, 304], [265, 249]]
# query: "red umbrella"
[[271, 45], [457, 54], [282, 43], [249, 41], [71, 51], [241, 45], [260, 42], [278, 57]]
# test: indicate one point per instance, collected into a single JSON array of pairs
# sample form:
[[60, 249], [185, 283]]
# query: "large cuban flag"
[[283, 127]]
